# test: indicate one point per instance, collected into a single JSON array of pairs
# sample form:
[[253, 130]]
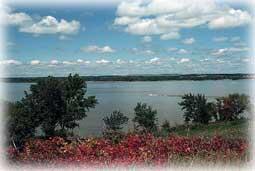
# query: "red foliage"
[[133, 149]]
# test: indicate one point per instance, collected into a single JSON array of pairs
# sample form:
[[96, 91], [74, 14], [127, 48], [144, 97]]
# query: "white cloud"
[[182, 51], [54, 62], [46, 25], [231, 18], [166, 18], [146, 39], [50, 25], [220, 39], [10, 62], [102, 61], [184, 60], [120, 61], [189, 41], [172, 49], [224, 51], [81, 61], [18, 19], [153, 61], [35, 62], [235, 39], [96, 49], [169, 36], [63, 37], [68, 63]]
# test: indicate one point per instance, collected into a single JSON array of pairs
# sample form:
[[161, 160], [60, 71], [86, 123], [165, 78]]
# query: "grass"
[[230, 129]]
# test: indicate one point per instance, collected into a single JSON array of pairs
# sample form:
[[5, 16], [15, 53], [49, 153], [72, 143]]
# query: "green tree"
[[54, 105], [231, 106], [197, 109], [115, 121], [145, 117]]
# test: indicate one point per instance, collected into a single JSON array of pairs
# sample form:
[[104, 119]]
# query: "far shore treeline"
[[160, 77]]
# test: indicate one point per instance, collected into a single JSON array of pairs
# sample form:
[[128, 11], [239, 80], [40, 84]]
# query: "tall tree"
[[197, 109]]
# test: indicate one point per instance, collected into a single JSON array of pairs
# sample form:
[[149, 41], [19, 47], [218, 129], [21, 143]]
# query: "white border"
[[103, 3]]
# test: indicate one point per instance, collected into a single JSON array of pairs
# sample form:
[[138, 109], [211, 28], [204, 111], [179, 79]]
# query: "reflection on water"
[[162, 95]]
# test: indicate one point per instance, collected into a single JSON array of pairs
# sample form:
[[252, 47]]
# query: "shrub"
[[165, 128], [231, 106], [115, 121], [113, 125], [145, 118]]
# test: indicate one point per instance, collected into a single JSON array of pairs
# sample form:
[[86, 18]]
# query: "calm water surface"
[[162, 95]]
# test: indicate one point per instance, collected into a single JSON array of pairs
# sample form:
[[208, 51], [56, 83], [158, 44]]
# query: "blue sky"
[[132, 37]]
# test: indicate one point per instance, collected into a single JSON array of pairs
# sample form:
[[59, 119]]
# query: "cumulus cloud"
[[103, 61], [235, 39], [97, 49], [68, 63], [184, 60], [50, 25], [220, 39], [18, 19], [169, 36], [182, 51], [35, 62], [189, 41], [46, 25], [166, 18], [231, 18], [225, 51], [146, 39], [81, 61], [153, 61], [10, 62], [54, 62], [120, 61]]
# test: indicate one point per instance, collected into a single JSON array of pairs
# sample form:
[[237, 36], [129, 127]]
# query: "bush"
[[145, 118], [197, 109], [230, 107], [113, 125], [165, 128], [115, 121]]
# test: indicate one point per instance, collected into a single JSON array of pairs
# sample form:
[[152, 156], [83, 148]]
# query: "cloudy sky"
[[131, 37]]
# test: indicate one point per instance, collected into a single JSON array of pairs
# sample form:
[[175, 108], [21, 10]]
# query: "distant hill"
[[161, 77]]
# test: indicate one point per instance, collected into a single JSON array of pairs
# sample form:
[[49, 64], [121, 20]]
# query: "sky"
[[127, 38]]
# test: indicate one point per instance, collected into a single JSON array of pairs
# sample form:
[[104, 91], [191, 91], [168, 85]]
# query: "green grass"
[[228, 129]]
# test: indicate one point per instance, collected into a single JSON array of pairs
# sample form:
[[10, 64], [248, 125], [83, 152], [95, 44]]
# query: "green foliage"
[[54, 105], [145, 117], [230, 107], [113, 125], [20, 123], [115, 121], [197, 109], [165, 128]]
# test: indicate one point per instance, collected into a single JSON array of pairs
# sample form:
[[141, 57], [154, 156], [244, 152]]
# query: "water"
[[161, 95]]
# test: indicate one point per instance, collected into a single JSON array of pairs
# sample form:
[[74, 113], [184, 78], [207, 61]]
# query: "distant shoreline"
[[131, 78]]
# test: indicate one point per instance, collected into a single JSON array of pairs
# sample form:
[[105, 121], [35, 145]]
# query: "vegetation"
[[53, 105], [162, 77], [197, 109], [134, 149], [216, 131], [145, 118], [230, 107], [114, 123]]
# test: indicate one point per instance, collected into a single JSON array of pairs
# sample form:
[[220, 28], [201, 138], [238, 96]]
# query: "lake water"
[[161, 95]]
